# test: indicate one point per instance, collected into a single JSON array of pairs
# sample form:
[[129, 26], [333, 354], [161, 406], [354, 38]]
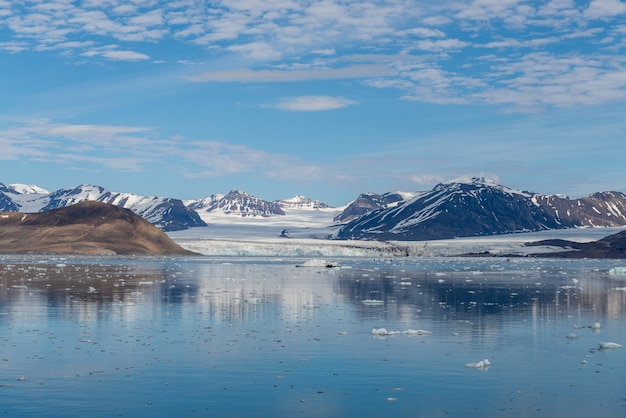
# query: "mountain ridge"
[[479, 207], [472, 206]]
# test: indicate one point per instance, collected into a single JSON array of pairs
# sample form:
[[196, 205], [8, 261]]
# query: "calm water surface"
[[260, 337]]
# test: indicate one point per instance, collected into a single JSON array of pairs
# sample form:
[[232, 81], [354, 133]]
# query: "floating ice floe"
[[609, 345], [316, 262], [374, 302], [571, 336], [482, 364], [618, 271], [416, 332], [596, 325], [383, 332]]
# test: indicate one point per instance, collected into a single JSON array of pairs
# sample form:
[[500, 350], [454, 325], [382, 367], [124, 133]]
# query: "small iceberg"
[[609, 346], [416, 332], [316, 262], [374, 302], [482, 365], [383, 332], [618, 271], [596, 325]]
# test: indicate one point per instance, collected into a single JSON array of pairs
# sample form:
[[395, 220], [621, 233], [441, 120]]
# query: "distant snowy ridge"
[[240, 203], [237, 202], [166, 213]]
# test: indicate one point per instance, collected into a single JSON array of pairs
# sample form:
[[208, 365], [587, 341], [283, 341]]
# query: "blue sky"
[[330, 98]]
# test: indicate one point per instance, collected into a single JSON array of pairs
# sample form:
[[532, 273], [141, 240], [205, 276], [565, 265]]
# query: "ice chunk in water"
[[316, 262], [482, 364], [618, 271], [609, 345]]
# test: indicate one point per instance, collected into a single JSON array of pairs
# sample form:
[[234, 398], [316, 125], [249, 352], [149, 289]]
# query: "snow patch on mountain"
[[27, 189]]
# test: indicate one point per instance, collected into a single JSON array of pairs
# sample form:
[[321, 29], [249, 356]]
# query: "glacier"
[[309, 233]]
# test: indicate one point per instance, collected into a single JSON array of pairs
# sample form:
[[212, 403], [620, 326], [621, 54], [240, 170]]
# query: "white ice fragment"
[[618, 271], [571, 336], [609, 346], [482, 364], [374, 302], [416, 332], [596, 325], [316, 262], [382, 332]]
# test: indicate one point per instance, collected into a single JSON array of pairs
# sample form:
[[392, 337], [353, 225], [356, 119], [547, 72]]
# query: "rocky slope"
[[87, 227], [367, 202], [613, 246], [477, 206]]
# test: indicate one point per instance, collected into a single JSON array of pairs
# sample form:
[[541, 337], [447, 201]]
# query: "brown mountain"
[[88, 227]]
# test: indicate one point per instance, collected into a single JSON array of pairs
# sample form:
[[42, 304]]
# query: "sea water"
[[260, 337]]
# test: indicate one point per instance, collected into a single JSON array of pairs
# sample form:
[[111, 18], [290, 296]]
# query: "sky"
[[327, 99]]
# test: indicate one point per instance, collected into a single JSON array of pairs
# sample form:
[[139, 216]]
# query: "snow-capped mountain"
[[301, 202], [237, 202], [203, 204], [166, 213], [478, 206], [367, 202]]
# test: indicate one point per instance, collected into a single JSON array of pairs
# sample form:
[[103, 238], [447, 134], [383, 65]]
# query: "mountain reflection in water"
[[257, 337]]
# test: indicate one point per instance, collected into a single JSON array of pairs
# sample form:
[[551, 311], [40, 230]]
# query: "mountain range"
[[479, 206], [460, 208]]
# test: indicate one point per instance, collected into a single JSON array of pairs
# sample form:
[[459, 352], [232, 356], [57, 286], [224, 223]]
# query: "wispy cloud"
[[280, 76], [447, 47], [313, 103], [140, 149]]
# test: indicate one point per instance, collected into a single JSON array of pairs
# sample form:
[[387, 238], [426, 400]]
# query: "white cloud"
[[314, 103], [324, 39], [111, 52], [136, 149], [277, 76], [125, 55], [441, 44], [257, 50], [327, 51], [605, 8]]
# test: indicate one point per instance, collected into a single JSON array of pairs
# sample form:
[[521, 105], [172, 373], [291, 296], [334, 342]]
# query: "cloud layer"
[[520, 54]]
